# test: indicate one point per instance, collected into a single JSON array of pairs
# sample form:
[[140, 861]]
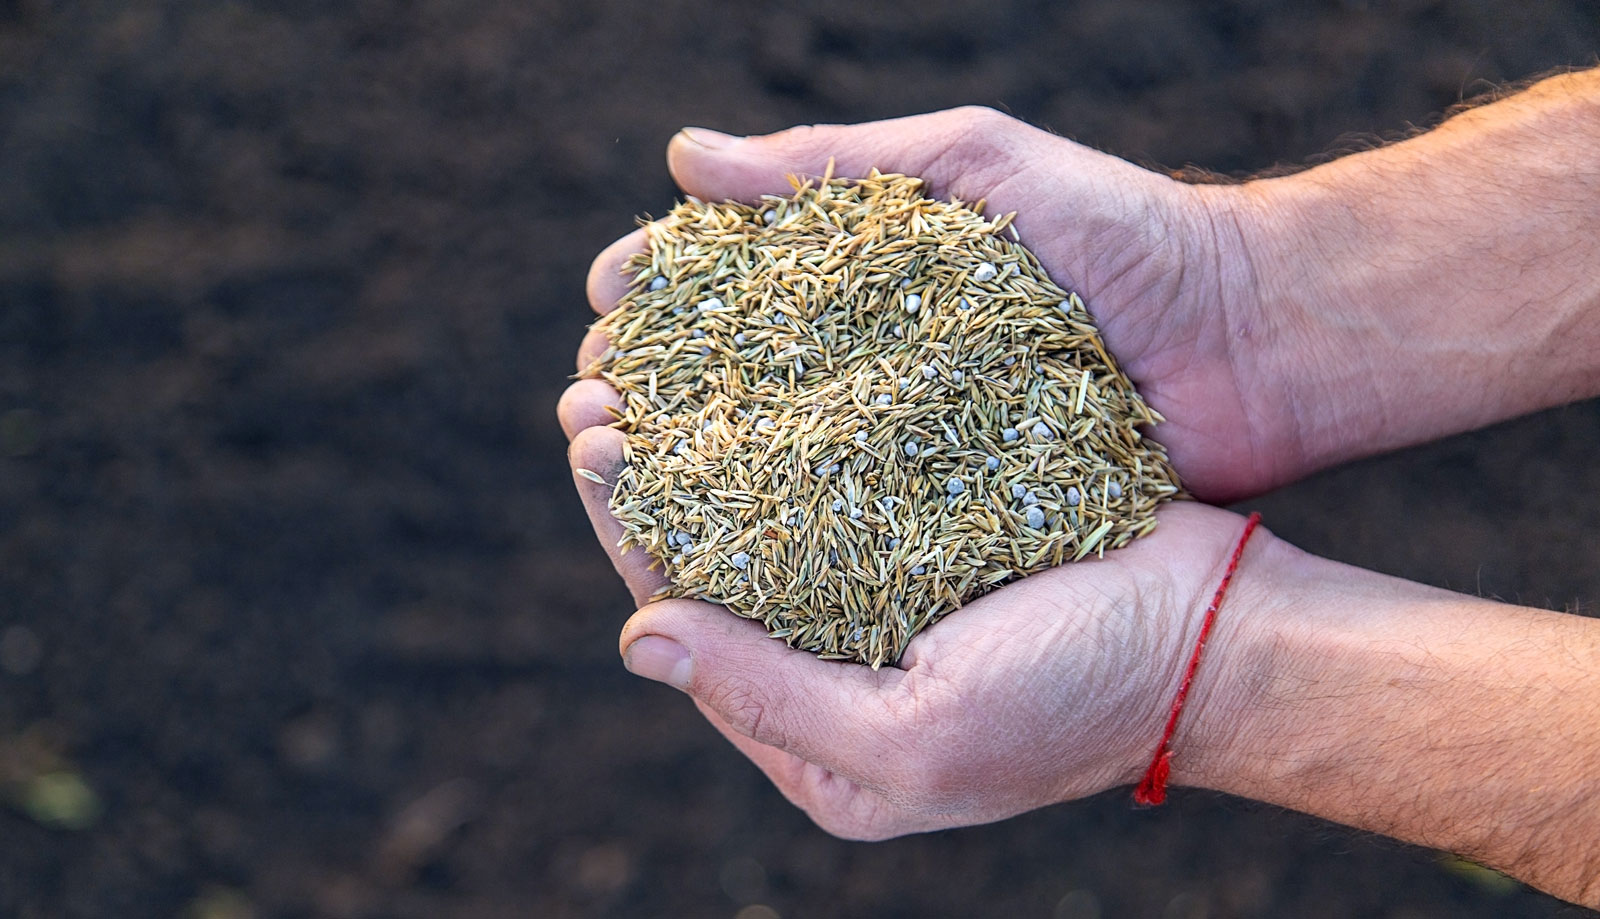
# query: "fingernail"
[[709, 139], [661, 659]]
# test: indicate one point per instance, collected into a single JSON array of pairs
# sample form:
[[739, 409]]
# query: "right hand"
[[1162, 265]]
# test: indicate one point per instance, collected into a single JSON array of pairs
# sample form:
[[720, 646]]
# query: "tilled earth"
[[299, 615]]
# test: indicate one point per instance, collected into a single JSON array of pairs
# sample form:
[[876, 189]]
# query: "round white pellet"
[[1009, 434], [698, 333], [856, 513], [913, 303], [1074, 498], [658, 282], [929, 371], [738, 338], [861, 437], [710, 303], [985, 272], [1018, 490], [911, 448], [1035, 518], [920, 569], [740, 559], [838, 505], [992, 462], [1030, 499], [770, 217], [884, 399], [1114, 488], [1042, 431], [955, 486]]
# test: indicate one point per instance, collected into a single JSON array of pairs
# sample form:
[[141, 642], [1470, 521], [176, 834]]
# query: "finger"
[[838, 805], [599, 450], [965, 153], [607, 283], [594, 344], [841, 716], [587, 404]]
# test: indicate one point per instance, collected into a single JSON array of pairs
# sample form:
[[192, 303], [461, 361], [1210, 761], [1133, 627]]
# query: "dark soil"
[[292, 575]]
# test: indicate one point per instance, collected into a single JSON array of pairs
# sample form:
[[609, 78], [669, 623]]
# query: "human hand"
[[1049, 689], [1162, 266], [1054, 687], [1285, 325], [1319, 678]]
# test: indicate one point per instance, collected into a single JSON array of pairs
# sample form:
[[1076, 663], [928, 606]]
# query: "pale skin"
[[1282, 326]]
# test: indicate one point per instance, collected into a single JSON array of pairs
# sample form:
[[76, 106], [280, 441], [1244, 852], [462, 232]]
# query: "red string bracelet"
[[1153, 788]]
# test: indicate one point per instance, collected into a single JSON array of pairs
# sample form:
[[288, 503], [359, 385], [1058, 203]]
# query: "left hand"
[[1051, 688]]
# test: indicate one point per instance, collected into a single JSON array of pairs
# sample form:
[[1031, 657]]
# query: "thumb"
[[840, 716], [1063, 192], [965, 153]]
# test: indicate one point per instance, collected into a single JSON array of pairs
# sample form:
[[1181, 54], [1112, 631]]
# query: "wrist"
[[1273, 345], [1442, 720], [1251, 652], [1308, 330], [1434, 285]]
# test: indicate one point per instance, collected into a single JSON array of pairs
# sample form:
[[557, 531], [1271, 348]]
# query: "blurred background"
[[299, 614]]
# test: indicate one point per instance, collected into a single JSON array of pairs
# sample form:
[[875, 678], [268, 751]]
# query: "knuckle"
[[929, 778], [748, 708], [852, 829], [857, 818], [801, 142], [978, 138], [979, 118], [916, 781]]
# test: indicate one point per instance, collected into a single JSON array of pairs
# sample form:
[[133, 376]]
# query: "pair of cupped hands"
[[1056, 686]]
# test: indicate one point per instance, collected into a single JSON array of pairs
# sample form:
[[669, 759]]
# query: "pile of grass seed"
[[852, 410]]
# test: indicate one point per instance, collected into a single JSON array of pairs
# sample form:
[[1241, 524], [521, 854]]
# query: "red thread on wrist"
[[1152, 789]]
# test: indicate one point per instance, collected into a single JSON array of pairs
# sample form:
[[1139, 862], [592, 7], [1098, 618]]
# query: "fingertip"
[[743, 169], [594, 344], [606, 283], [597, 449], [587, 404], [675, 618]]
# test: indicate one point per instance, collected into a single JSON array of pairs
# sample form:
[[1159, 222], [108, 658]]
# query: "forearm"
[[1435, 285], [1436, 718]]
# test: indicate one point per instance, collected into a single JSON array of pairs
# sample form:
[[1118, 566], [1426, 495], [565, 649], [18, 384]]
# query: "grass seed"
[[859, 345]]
